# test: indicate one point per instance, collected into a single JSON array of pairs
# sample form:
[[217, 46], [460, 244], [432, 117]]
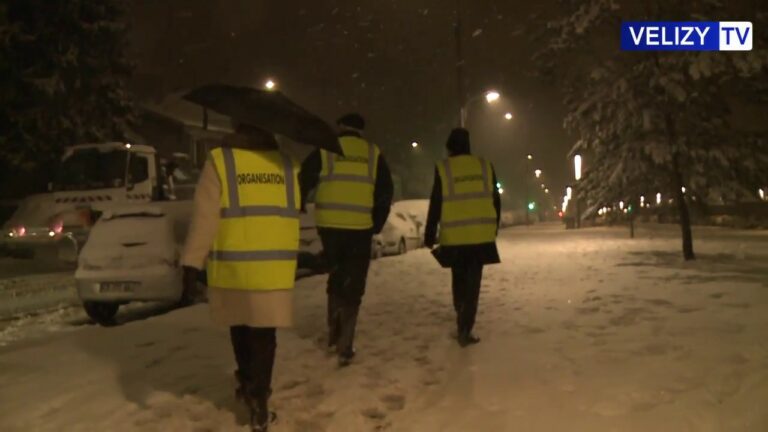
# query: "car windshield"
[[92, 169]]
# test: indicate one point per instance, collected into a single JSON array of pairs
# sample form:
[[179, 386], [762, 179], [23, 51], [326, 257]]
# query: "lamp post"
[[526, 207], [270, 84], [577, 175]]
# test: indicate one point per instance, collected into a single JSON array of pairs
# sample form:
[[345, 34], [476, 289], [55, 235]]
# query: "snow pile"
[[24, 294]]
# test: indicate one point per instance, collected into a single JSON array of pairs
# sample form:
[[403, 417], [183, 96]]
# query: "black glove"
[[191, 294]]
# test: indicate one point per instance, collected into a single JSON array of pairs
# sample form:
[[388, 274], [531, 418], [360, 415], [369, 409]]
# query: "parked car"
[[132, 254], [310, 246], [399, 235], [416, 210]]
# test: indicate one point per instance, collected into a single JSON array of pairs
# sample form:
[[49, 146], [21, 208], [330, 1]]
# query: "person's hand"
[[430, 243]]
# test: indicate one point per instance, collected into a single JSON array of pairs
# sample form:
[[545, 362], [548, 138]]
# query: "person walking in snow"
[[352, 202], [466, 205], [245, 223]]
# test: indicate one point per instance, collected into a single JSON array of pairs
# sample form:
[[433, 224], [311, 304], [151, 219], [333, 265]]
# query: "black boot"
[[466, 339], [261, 416]]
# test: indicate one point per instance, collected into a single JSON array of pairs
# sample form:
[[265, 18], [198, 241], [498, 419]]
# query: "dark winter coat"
[[383, 191], [485, 253]]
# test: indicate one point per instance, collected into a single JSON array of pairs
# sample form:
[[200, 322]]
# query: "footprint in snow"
[[374, 414], [146, 344], [393, 402]]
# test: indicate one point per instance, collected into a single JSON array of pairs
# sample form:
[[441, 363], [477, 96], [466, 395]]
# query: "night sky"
[[393, 61]]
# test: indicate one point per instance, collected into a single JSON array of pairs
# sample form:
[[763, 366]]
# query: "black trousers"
[[466, 279], [255, 354], [348, 253]]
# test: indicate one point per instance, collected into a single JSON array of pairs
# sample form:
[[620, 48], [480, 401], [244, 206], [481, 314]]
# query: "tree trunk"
[[682, 208], [677, 184]]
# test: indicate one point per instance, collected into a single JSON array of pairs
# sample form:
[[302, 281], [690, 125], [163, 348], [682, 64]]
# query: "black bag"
[[441, 257]]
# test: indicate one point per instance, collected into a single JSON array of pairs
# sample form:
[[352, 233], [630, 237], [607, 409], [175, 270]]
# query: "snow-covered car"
[[416, 210], [310, 246], [399, 235], [132, 254]]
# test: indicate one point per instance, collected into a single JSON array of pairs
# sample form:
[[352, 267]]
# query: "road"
[[581, 330]]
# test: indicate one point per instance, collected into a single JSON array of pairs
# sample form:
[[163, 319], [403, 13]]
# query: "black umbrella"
[[269, 110]]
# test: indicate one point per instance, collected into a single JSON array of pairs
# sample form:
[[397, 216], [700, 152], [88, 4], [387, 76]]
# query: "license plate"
[[118, 287]]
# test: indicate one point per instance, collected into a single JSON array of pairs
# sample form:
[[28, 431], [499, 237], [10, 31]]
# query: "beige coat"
[[229, 307]]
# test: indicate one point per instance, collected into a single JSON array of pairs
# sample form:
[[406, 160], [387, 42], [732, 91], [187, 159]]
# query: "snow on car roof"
[[138, 211]]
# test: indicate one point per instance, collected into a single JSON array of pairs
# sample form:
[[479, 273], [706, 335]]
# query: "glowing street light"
[[546, 190], [621, 205], [658, 198], [761, 193], [414, 144], [538, 173], [530, 157], [492, 96], [508, 116], [569, 192], [270, 85], [501, 190], [577, 167], [543, 186]]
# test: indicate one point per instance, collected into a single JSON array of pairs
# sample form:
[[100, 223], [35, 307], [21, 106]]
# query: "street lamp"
[[569, 193], [490, 96], [414, 144], [546, 190], [508, 116], [658, 198], [270, 85], [538, 173], [530, 157], [761, 193]]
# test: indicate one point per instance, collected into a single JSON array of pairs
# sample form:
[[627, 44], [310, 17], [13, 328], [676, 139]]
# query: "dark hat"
[[352, 120], [458, 141]]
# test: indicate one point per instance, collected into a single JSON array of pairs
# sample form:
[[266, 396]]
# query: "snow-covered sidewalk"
[[582, 331]]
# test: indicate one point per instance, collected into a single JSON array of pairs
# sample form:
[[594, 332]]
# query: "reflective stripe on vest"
[[345, 194], [258, 238], [468, 215]]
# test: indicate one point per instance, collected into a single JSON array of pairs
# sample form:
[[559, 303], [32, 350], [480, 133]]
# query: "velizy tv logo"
[[686, 36]]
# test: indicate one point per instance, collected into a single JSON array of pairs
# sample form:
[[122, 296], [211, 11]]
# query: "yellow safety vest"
[[258, 238], [345, 193], [468, 215]]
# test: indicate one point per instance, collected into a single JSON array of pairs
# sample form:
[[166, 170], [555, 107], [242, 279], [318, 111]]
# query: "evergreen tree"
[[64, 76], [650, 122]]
